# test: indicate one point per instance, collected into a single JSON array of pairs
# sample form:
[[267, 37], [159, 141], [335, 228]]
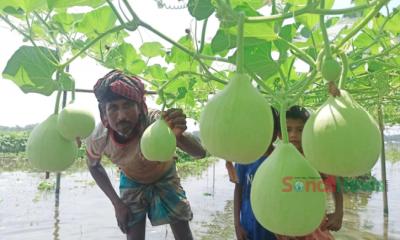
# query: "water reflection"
[[56, 235], [83, 212]]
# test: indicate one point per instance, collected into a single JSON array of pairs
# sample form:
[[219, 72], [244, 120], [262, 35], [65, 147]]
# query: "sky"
[[17, 108]]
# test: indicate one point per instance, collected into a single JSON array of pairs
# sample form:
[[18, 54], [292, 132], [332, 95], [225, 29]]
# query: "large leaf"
[[32, 68], [74, 3], [200, 9], [97, 21], [257, 58], [152, 49]]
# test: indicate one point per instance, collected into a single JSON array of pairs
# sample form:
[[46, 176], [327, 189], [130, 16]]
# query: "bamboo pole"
[[383, 160]]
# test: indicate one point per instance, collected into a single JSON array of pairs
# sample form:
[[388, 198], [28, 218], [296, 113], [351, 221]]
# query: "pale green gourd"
[[75, 121], [158, 142], [237, 124], [47, 150], [287, 194], [342, 138]]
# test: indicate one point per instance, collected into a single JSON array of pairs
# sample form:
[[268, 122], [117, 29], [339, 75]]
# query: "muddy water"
[[83, 212]]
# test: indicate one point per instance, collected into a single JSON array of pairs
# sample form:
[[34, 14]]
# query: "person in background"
[[296, 118]]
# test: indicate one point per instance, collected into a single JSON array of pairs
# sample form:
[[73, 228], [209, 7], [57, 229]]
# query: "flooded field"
[[29, 210]]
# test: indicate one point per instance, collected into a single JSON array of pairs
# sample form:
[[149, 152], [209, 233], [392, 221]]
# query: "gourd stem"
[[328, 53], [282, 118], [57, 106], [240, 45], [345, 68]]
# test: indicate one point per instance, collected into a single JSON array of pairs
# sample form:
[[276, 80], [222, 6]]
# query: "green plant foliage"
[[200, 9], [72, 3], [97, 21], [32, 68], [152, 49]]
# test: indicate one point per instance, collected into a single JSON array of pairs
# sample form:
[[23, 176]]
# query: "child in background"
[[296, 118]]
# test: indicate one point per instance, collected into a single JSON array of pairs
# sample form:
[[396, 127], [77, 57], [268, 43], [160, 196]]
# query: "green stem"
[[310, 79], [341, 11], [5, 19], [48, 28], [161, 94], [203, 36], [57, 106], [386, 51], [299, 53], [180, 46], [283, 16], [134, 15], [114, 9], [284, 79], [308, 9], [57, 46], [282, 118], [361, 24], [291, 68], [240, 45], [273, 8], [267, 90], [345, 69], [325, 36], [112, 30]]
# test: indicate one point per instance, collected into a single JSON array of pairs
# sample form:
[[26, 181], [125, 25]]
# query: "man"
[[146, 187]]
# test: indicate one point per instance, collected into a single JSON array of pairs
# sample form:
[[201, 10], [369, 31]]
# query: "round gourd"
[[237, 124], [287, 194], [47, 150], [331, 69], [341, 138], [74, 121], [158, 142]]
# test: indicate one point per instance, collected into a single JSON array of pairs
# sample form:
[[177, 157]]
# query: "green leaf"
[[74, 3], [125, 57], [97, 21], [152, 49], [200, 9], [25, 5], [257, 58], [177, 55], [393, 24], [222, 41], [32, 68], [65, 22], [66, 81], [136, 67], [362, 40], [16, 12], [287, 32], [309, 20], [262, 30], [157, 72]]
